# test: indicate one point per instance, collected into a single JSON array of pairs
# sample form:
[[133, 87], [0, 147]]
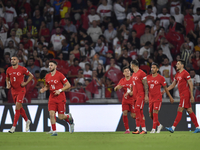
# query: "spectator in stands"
[[38, 60], [28, 45], [87, 51], [156, 27], [10, 14], [84, 38], [2, 83], [69, 27], [175, 26], [110, 33], [87, 72], [197, 47], [146, 47], [44, 31], [124, 31], [31, 66], [21, 46], [65, 49], [56, 24], [6, 61], [94, 31], [10, 49], [104, 9], [195, 5], [125, 55], [56, 39], [90, 6], [198, 64], [48, 15], [76, 52], [160, 58], [139, 26], [96, 61], [147, 36], [73, 71], [166, 46], [98, 83], [131, 17], [22, 58], [101, 49], [194, 58], [93, 16], [195, 79], [18, 30], [160, 5], [100, 71], [178, 16], [57, 5], [23, 16], [134, 39], [46, 54], [120, 12], [30, 28], [30, 37], [37, 19], [4, 29], [2, 9], [46, 66], [149, 17], [13, 38], [77, 6], [112, 64], [164, 18], [71, 59], [185, 52], [80, 80]]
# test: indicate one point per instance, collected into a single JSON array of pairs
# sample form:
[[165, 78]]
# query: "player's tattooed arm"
[[191, 89], [146, 88], [168, 93]]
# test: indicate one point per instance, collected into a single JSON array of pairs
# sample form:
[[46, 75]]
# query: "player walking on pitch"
[[128, 98], [155, 81], [186, 94], [15, 81], [140, 91], [57, 99]]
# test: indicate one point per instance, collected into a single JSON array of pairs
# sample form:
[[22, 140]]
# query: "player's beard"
[[14, 64], [52, 70]]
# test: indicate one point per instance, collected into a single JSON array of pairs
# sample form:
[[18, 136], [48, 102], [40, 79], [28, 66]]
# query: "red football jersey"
[[126, 84], [183, 86], [56, 82], [16, 78], [138, 88], [155, 84]]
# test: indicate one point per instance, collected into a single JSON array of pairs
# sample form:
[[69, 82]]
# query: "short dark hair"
[[192, 69], [172, 17], [182, 62], [135, 62], [53, 61], [15, 56], [147, 43], [37, 71], [160, 49], [155, 64], [75, 59], [126, 67], [149, 7]]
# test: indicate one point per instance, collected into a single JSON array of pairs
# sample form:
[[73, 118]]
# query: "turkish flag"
[[189, 23], [62, 66], [77, 97], [177, 39], [92, 87], [114, 74]]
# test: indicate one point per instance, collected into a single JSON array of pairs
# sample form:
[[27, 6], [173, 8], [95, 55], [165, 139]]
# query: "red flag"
[[114, 74], [189, 23], [62, 66], [76, 97], [177, 39], [197, 96], [92, 87]]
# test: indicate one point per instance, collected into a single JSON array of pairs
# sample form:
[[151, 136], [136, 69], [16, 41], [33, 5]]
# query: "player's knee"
[[133, 115], [189, 110], [51, 114], [155, 111], [180, 109], [60, 117], [125, 113]]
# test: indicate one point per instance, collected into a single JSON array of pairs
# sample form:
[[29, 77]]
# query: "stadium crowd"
[[92, 40]]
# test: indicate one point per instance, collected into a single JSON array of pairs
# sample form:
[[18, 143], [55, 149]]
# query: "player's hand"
[[115, 89], [56, 92], [192, 99], [23, 84], [125, 95], [8, 86], [171, 100], [146, 99], [163, 92]]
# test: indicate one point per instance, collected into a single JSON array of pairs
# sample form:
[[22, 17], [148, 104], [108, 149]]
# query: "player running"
[[15, 81], [57, 99], [140, 91], [128, 98], [155, 81], [186, 94]]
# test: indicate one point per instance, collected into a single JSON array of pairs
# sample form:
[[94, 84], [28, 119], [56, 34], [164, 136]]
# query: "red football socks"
[[194, 119], [178, 118], [155, 120], [67, 119], [53, 127], [142, 119], [17, 114], [125, 120], [138, 116], [23, 114]]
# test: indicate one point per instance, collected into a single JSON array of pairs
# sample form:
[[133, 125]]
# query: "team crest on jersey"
[[156, 82], [55, 81], [179, 78], [18, 73], [135, 78]]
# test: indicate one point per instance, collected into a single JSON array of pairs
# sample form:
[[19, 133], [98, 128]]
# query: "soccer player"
[[57, 99], [155, 81], [185, 88], [15, 81], [140, 91], [128, 98]]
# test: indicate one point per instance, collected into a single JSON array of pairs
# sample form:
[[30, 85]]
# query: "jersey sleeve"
[[63, 79], [120, 82], [143, 75], [187, 75], [175, 78], [25, 71], [163, 82]]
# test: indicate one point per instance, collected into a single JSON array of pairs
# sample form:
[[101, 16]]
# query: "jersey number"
[[53, 86], [14, 78], [133, 82], [151, 86]]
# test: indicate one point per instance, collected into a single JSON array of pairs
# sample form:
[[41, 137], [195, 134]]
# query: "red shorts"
[[60, 107], [128, 106], [185, 102], [140, 102], [154, 105], [19, 97]]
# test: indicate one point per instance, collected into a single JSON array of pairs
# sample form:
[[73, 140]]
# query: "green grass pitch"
[[100, 141]]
